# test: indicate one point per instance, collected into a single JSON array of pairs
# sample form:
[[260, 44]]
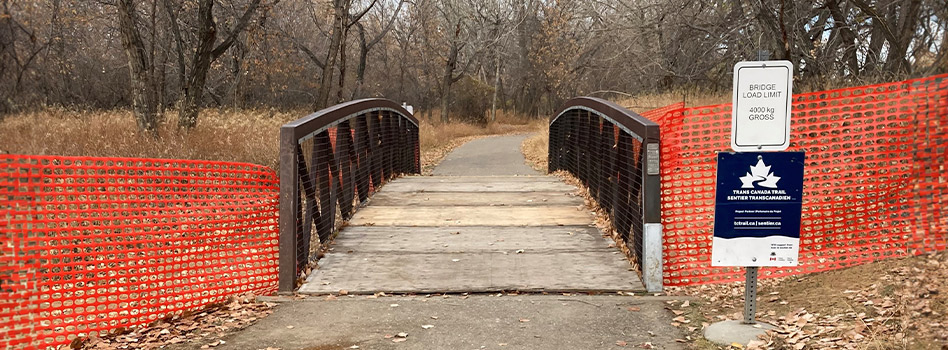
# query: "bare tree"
[[464, 57], [366, 45], [144, 96], [206, 52]]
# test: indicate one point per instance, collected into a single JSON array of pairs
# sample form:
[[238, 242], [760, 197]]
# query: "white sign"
[[760, 115]]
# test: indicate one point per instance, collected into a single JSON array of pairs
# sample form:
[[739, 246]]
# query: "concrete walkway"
[[480, 233], [473, 322]]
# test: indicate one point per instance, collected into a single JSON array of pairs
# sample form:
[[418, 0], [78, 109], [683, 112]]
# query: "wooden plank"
[[486, 239], [471, 216], [510, 186], [472, 234], [385, 198], [472, 272]]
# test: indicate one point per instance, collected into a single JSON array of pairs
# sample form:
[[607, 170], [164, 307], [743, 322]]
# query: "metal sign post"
[[750, 272], [750, 294]]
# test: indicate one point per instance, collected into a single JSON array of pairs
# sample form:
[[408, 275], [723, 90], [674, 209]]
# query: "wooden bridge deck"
[[457, 234]]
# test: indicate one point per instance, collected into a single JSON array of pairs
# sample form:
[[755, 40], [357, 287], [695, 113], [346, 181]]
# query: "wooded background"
[[463, 58]]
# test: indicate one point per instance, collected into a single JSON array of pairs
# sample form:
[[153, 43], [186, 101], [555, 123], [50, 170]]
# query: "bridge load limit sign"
[[760, 116], [757, 209]]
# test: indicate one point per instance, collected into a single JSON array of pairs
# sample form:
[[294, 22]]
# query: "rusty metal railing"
[[615, 153], [330, 162]]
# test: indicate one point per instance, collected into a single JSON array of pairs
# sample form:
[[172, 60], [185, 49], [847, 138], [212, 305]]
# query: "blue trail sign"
[[757, 209]]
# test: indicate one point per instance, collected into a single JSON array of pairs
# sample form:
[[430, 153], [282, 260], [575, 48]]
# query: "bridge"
[[484, 253], [485, 222]]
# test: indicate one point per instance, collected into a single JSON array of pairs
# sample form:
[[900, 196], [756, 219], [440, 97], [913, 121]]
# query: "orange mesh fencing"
[[658, 115], [91, 244], [875, 179]]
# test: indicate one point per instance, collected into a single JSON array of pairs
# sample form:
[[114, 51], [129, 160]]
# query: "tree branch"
[[178, 40], [387, 27], [241, 24], [309, 53], [357, 18]]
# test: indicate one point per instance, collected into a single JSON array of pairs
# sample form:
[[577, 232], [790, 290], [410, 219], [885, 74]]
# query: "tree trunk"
[[7, 59], [341, 11], [908, 20], [876, 40], [365, 46], [849, 38], [942, 65], [448, 78], [342, 64], [178, 41], [144, 98], [194, 88], [493, 103], [524, 93], [161, 82], [363, 58], [204, 55], [898, 38]]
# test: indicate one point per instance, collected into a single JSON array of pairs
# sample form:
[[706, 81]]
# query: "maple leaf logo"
[[761, 175]]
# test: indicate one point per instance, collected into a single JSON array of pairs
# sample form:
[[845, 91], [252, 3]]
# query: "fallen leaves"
[[400, 337], [602, 221], [212, 323], [214, 344], [902, 305]]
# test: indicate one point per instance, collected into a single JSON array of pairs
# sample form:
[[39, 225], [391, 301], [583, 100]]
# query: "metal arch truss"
[[615, 153], [331, 161]]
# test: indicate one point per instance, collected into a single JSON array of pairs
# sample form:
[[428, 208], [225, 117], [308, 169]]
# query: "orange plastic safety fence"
[[876, 184], [91, 244], [658, 115]]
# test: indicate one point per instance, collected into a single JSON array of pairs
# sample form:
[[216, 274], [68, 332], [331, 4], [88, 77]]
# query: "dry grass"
[[642, 103], [536, 148], [221, 135], [250, 136]]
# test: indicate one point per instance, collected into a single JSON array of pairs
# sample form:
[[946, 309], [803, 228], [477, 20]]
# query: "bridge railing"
[[330, 162], [615, 153]]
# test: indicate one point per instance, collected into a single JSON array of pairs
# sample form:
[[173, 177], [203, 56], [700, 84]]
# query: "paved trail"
[[491, 156], [485, 223]]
